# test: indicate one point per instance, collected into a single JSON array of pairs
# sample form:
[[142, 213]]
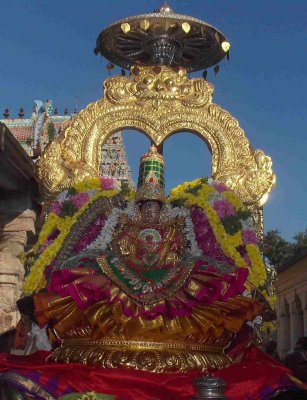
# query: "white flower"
[[105, 236], [256, 322], [91, 192], [188, 230], [62, 196], [117, 184], [247, 224], [213, 197]]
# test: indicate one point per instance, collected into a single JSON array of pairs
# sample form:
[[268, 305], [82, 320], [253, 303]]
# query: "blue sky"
[[47, 52]]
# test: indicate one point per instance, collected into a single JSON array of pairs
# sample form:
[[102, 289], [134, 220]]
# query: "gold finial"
[[153, 149], [165, 9]]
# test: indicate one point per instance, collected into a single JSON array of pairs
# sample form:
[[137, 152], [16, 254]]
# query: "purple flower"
[[56, 207], [50, 239], [220, 187], [249, 237], [44, 246], [79, 199], [54, 234], [223, 208], [107, 183]]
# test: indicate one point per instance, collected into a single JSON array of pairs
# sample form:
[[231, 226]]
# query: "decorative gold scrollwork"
[[160, 87], [158, 101], [145, 356]]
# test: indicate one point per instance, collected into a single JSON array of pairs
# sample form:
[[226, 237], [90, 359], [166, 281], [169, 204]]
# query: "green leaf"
[[194, 190], [243, 214], [231, 224], [71, 191], [178, 203], [68, 209]]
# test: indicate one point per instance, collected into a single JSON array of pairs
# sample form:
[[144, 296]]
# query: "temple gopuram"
[[130, 292], [45, 124]]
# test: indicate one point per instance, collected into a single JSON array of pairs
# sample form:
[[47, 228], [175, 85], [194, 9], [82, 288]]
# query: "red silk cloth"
[[257, 377]]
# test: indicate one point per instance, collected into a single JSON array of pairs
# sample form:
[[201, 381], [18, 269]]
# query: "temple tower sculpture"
[[45, 124]]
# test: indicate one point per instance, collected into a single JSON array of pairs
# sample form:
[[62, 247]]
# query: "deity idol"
[[153, 284]]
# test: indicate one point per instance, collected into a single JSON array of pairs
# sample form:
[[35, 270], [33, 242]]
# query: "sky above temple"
[[47, 53]]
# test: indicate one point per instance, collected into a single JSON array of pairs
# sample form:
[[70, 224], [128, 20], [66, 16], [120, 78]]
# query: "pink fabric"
[[85, 291]]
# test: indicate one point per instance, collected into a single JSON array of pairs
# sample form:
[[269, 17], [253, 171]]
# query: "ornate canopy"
[[162, 38]]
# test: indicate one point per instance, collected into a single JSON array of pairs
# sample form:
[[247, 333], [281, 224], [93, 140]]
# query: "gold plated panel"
[[144, 355], [158, 101]]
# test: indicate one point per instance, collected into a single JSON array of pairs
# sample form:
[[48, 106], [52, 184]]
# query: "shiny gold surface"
[[144, 355], [257, 216], [159, 102]]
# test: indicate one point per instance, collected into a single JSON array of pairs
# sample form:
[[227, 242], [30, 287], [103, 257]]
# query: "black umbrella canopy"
[[162, 38]]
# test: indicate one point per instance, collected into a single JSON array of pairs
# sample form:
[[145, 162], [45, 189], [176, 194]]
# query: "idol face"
[[150, 212]]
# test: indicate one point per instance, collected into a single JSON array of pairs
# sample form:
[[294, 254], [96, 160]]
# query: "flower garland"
[[105, 236], [230, 221], [64, 213], [188, 229], [210, 210], [106, 233]]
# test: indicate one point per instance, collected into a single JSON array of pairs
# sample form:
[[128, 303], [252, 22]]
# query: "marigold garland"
[[36, 280], [204, 195]]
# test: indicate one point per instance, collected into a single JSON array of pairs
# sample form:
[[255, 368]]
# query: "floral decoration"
[[223, 227], [64, 212], [216, 224], [107, 231]]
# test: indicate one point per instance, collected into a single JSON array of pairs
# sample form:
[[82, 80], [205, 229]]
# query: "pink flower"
[[56, 208], [107, 183], [223, 208], [220, 187], [205, 238], [249, 237], [79, 199]]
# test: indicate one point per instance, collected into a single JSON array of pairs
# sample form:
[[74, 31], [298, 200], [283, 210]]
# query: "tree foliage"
[[278, 251]]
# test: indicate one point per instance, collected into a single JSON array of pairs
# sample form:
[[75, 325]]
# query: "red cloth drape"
[[256, 377]]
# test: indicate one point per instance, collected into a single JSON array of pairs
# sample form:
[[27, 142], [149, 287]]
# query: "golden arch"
[[158, 102]]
